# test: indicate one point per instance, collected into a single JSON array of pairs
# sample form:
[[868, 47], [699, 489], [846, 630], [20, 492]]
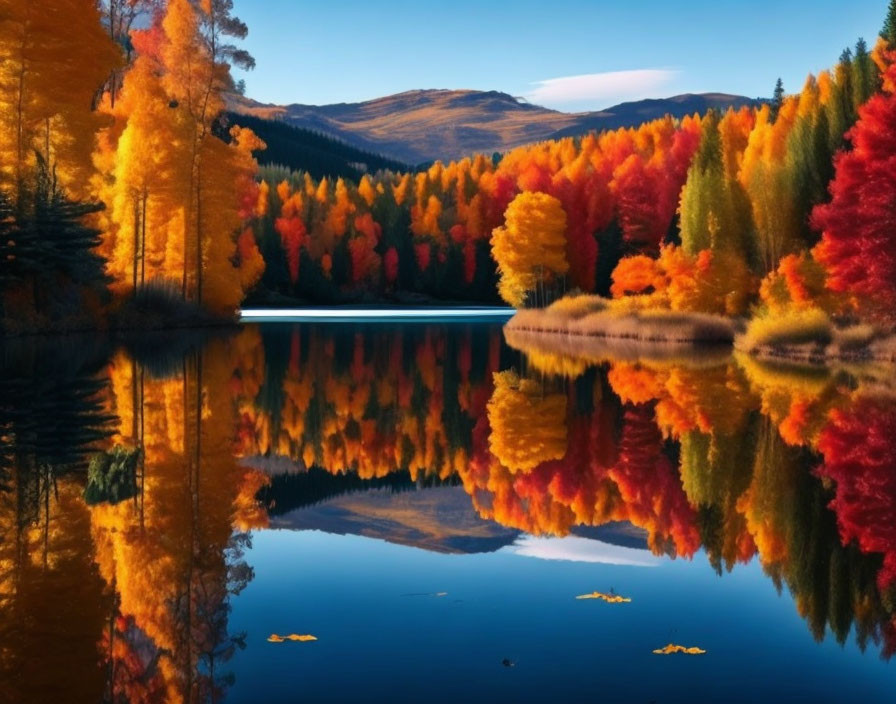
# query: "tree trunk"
[[143, 242]]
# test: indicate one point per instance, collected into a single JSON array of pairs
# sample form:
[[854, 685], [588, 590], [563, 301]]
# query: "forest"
[[782, 213], [116, 192], [126, 187]]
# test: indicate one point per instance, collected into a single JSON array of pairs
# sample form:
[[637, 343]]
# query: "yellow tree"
[[530, 247], [197, 60], [52, 65], [171, 215], [528, 427], [767, 179], [146, 180], [119, 17]]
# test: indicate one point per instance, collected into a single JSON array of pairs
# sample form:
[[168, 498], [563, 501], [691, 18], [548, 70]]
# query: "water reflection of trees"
[[172, 556], [153, 575], [734, 458], [369, 403], [52, 417]]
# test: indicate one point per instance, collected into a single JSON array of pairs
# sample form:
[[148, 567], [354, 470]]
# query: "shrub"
[[790, 327], [575, 307]]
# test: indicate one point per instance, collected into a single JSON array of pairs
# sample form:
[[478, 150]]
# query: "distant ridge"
[[301, 149], [419, 126]]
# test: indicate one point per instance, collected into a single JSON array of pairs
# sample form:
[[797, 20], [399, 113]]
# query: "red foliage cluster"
[[858, 244], [860, 457]]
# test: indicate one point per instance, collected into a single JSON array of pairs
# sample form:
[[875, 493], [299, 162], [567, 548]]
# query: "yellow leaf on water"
[[672, 648], [609, 598], [274, 638]]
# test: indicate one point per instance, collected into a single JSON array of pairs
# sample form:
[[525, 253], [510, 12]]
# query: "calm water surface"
[[428, 502]]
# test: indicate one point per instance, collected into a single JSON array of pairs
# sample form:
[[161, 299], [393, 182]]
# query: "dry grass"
[[645, 326], [575, 307], [585, 316], [594, 329], [663, 326], [570, 355], [810, 337], [856, 337], [799, 327]]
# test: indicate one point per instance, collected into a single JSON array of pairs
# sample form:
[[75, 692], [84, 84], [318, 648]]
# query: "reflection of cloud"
[[577, 549], [638, 83]]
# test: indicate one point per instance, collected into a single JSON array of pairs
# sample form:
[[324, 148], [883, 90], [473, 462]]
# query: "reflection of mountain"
[[289, 491], [621, 533], [439, 519]]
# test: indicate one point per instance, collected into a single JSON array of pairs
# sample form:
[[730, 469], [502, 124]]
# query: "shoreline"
[[666, 336]]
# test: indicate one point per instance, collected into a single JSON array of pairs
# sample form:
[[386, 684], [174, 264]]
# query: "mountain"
[[419, 126], [302, 149]]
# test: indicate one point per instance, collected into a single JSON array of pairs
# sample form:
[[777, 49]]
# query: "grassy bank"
[[154, 307], [593, 328], [811, 336], [595, 318]]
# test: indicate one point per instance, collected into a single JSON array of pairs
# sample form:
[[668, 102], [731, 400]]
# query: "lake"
[[420, 505]]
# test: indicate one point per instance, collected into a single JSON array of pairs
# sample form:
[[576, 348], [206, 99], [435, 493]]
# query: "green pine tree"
[[865, 76], [889, 29], [714, 213], [777, 99]]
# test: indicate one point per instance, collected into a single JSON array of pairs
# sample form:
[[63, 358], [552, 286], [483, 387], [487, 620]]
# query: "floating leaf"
[[672, 648], [609, 598], [274, 638]]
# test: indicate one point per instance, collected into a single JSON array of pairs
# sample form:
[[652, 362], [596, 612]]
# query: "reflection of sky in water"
[[383, 638], [427, 520], [576, 549]]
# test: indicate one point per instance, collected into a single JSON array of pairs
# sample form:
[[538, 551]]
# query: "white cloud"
[[610, 86]]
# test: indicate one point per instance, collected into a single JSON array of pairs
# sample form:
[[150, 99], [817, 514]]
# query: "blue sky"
[[567, 54]]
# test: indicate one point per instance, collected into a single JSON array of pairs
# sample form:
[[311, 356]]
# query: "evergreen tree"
[[46, 247], [889, 29], [865, 78], [64, 243], [714, 212], [702, 189], [844, 76], [777, 99]]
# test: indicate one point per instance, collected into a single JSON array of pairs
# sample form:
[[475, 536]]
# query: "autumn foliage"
[[110, 117], [858, 245]]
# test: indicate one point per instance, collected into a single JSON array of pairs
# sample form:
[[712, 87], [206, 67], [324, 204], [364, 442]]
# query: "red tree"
[[859, 456], [858, 245]]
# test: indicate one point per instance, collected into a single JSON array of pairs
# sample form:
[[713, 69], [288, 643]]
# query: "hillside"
[[423, 125], [302, 149]]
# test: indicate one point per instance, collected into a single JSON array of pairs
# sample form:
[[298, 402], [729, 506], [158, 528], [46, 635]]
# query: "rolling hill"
[[301, 149], [423, 125]]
